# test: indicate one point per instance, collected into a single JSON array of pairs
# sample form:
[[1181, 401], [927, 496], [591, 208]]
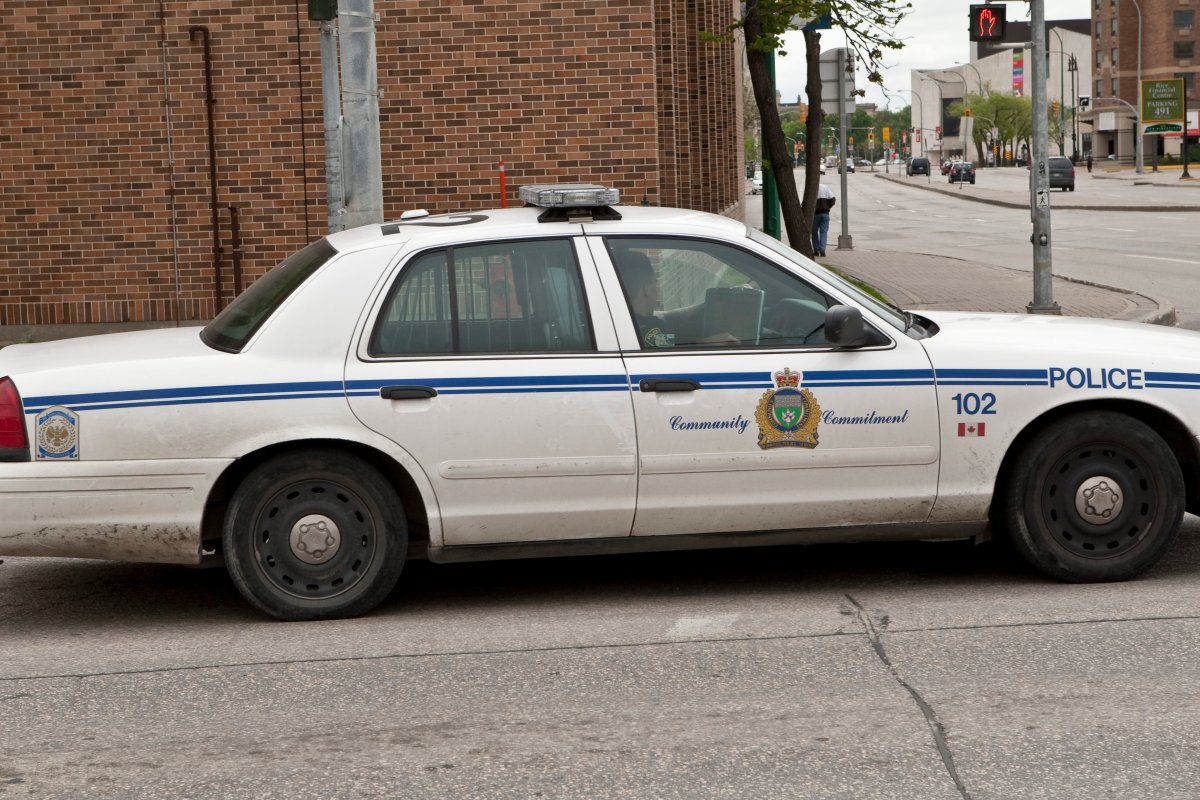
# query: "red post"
[[503, 190]]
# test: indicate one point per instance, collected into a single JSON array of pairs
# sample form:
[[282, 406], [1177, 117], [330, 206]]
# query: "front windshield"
[[892, 316], [234, 326]]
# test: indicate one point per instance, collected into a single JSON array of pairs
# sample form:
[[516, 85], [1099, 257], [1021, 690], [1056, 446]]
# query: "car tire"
[[315, 534], [1094, 497]]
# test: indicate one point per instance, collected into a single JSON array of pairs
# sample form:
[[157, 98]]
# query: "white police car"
[[576, 377]]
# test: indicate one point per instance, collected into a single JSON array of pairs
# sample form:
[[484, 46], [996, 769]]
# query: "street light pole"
[[938, 116], [1062, 94], [1138, 144], [920, 121], [962, 128], [1073, 68], [971, 118]]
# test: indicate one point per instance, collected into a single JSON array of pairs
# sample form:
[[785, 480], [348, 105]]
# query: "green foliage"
[[869, 26]]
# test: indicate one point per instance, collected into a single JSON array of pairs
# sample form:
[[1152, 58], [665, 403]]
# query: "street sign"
[[829, 82], [1162, 103]]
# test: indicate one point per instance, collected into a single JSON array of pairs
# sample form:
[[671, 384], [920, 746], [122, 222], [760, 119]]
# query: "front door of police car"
[[482, 363], [747, 420]]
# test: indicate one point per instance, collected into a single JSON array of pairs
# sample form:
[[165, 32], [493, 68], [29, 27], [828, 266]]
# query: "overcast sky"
[[934, 35]]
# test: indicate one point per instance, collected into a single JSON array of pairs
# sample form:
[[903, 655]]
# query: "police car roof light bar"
[[567, 200]]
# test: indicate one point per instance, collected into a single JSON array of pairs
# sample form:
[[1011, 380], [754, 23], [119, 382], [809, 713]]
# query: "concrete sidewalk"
[[1165, 192]]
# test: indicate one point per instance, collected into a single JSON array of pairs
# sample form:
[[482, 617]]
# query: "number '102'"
[[972, 404]]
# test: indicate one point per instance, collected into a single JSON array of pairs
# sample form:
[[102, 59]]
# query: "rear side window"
[[499, 297], [234, 326]]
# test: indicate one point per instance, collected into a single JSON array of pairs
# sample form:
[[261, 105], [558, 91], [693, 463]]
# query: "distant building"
[[1004, 68], [1166, 44]]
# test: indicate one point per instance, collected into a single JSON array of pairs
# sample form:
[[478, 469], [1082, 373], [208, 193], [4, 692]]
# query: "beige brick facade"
[[105, 211]]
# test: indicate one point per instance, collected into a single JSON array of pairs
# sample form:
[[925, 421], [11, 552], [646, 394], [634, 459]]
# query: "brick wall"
[[105, 212]]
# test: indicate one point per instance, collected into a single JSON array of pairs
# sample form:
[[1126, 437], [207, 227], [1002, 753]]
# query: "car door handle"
[[407, 392], [668, 385]]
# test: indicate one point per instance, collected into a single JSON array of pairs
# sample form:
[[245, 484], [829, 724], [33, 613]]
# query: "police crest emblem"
[[787, 415], [58, 434]]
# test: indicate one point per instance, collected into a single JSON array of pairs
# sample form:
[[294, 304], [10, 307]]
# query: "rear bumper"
[[121, 510]]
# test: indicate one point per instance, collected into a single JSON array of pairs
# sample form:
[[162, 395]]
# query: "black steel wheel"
[[1095, 497], [315, 535]]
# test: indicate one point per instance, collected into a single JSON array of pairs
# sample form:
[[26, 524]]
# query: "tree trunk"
[[774, 143], [813, 128]]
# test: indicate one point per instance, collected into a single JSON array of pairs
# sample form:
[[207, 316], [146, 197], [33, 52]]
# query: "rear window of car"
[[234, 326]]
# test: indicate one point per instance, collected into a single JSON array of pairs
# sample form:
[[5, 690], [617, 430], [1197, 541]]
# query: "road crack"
[[931, 719]]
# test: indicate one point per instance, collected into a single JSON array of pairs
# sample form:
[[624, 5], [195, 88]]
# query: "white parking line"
[[1124, 230], [688, 627], [1160, 258]]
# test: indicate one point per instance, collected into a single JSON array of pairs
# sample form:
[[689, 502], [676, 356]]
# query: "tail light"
[[14, 444]]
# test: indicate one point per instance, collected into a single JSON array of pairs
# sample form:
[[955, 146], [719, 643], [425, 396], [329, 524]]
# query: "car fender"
[[1000, 377]]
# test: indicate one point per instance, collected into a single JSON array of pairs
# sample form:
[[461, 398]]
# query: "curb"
[[1163, 313], [929, 187]]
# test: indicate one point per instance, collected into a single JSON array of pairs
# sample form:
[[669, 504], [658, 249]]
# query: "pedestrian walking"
[[1089, 162], [820, 226]]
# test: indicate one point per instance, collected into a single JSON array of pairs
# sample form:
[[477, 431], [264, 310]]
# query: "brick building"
[[1169, 47], [106, 210]]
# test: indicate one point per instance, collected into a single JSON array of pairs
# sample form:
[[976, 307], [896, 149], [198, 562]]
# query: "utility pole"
[[1039, 176], [350, 104], [844, 67]]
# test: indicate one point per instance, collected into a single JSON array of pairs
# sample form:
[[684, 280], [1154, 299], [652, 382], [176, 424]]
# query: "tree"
[[869, 26]]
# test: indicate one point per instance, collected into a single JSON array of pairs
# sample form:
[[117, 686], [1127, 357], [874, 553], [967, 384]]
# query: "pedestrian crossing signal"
[[988, 22]]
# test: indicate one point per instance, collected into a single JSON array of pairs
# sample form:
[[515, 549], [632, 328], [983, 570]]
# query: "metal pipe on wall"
[[162, 23], [210, 101]]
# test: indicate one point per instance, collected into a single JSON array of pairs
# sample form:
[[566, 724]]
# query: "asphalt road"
[[912, 670], [1153, 252]]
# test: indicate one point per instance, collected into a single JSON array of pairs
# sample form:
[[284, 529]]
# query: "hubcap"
[[1098, 499], [315, 539]]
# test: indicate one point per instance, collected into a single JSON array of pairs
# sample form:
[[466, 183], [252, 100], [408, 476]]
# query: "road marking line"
[[686, 627], [1160, 258], [1126, 230]]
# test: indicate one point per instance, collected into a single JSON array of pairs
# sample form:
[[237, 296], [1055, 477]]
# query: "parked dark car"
[[1062, 173], [962, 171], [918, 166]]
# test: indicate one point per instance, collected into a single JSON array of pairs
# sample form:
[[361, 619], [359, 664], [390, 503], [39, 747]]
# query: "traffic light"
[[1054, 106], [966, 112], [988, 22], [887, 134]]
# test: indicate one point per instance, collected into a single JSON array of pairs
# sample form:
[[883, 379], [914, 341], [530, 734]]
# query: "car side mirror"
[[844, 326]]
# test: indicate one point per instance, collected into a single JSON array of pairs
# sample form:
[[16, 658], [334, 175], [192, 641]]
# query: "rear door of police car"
[[494, 364]]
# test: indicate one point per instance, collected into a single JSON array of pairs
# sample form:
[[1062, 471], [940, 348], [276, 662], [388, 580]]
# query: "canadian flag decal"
[[971, 429]]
